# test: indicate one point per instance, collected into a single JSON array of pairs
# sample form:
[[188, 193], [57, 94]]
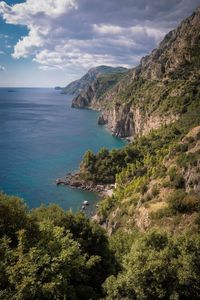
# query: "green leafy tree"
[[158, 267]]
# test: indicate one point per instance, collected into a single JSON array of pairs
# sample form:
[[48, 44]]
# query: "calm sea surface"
[[41, 139]]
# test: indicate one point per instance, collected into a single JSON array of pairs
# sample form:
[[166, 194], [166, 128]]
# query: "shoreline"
[[74, 181], [128, 139]]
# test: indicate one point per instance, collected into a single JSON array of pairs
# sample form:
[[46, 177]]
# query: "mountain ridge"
[[135, 104], [162, 116], [77, 86]]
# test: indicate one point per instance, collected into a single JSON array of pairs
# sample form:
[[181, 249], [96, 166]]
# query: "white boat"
[[85, 202]]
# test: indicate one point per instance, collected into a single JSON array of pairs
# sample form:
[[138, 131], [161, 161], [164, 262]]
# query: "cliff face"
[[175, 51], [154, 93], [158, 90], [90, 79], [91, 87], [128, 121]]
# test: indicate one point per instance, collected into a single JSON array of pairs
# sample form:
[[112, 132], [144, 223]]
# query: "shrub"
[[181, 202], [179, 182], [185, 160], [161, 213], [172, 173], [158, 266], [181, 148]]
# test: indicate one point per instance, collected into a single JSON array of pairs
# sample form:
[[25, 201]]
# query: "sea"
[[41, 139]]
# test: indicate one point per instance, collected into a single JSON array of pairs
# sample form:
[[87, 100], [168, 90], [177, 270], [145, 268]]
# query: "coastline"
[[127, 139], [74, 181]]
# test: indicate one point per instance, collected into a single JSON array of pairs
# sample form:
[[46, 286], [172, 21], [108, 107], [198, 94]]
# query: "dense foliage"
[[152, 218], [50, 254], [158, 266], [153, 215]]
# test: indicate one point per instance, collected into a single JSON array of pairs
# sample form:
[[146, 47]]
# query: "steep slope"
[[155, 178], [161, 188], [160, 88], [92, 94], [90, 78]]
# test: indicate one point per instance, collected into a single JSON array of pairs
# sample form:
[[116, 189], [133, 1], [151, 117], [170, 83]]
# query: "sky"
[[45, 43]]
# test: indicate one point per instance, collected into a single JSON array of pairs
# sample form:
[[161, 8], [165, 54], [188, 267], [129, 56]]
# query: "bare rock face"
[[86, 90], [127, 122], [87, 96], [101, 120], [174, 51]]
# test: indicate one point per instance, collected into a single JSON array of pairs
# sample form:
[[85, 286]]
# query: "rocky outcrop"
[[131, 101], [86, 96], [101, 120], [81, 85], [174, 52], [74, 180], [96, 83], [128, 121]]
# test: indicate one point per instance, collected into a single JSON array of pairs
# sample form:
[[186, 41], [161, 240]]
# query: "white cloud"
[[28, 12], [131, 33], [62, 59], [71, 34], [2, 68], [28, 44], [2, 52], [40, 17]]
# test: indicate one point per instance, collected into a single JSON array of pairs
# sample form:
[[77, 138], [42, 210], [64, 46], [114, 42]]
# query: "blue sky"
[[44, 43]]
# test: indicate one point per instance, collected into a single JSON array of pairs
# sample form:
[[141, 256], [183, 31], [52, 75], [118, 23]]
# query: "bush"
[[158, 266], [172, 173], [185, 160], [143, 188], [177, 180], [181, 148], [181, 202]]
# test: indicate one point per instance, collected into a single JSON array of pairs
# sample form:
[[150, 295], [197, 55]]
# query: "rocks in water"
[[60, 181], [75, 181], [101, 120], [85, 202]]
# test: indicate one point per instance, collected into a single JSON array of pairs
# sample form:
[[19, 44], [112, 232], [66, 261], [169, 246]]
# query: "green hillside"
[[144, 241]]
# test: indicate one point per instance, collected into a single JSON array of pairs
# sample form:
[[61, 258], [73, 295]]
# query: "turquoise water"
[[41, 139]]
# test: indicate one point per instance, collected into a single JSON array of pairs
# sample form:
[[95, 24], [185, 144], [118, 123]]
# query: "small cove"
[[42, 138]]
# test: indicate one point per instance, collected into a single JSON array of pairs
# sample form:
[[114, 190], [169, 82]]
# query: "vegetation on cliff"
[[151, 246], [51, 254], [158, 90], [101, 77]]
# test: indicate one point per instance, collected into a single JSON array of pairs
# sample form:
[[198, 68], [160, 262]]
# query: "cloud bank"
[[74, 34], [2, 68]]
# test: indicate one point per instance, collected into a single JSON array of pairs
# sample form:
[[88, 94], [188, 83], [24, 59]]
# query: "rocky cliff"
[[95, 84], [90, 79], [160, 88], [154, 93]]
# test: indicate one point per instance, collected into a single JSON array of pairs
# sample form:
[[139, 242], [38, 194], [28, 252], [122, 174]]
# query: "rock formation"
[[152, 94]]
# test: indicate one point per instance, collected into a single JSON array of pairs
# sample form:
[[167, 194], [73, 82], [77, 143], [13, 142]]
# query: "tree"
[[13, 217], [158, 266]]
